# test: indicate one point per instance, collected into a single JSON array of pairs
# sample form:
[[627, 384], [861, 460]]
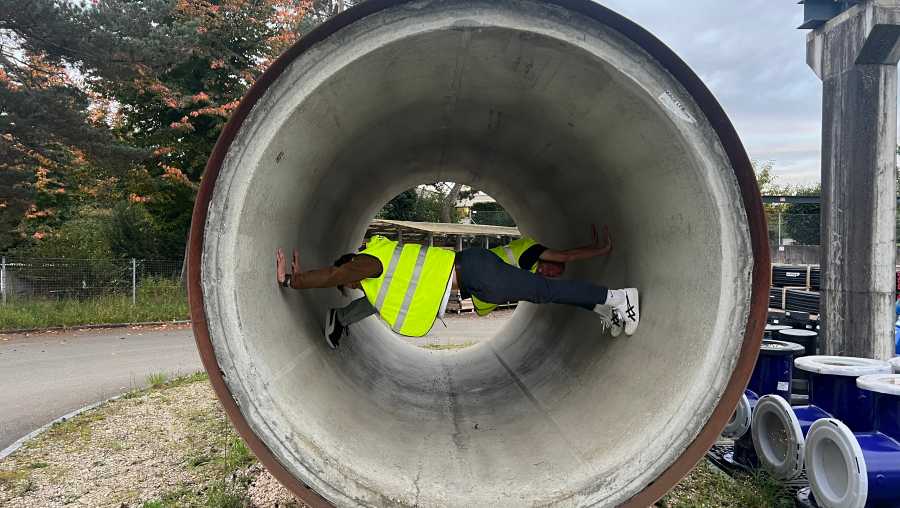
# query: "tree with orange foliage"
[[161, 77]]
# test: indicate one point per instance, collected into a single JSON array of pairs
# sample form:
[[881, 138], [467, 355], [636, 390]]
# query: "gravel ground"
[[162, 447], [172, 446]]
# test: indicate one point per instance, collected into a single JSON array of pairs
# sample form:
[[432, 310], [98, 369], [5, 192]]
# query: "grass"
[[157, 300], [220, 461], [76, 429], [447, 347], [707, 487], [156, 380], [224, 454]]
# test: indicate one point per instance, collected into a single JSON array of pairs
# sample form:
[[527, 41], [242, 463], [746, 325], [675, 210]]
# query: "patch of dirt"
[[166, 447]]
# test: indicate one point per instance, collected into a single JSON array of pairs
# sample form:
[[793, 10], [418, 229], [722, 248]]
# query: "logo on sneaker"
[[630, 310]]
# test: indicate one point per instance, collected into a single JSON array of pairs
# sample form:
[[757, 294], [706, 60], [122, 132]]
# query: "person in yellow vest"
[[409, 285]]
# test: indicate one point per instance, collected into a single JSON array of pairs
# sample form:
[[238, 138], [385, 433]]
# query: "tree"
[[800, 222], [416, 205], [803, 221], [402, 207], [492, 214], [136, 91]]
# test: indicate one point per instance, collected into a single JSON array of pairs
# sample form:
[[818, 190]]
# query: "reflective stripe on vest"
[[510, 257], [388, 277], [409, 291]]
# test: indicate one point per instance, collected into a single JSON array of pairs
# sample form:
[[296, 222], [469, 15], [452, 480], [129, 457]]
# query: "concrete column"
[[855, 55]]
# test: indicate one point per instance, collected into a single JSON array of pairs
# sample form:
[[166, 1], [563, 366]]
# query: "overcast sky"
[[753, 58]]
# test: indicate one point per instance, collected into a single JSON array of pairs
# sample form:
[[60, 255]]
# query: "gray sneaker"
[[610, 319]]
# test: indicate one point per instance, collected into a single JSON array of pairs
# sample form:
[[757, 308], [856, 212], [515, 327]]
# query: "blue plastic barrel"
[[774, 368], [859, 469], [779, 430]]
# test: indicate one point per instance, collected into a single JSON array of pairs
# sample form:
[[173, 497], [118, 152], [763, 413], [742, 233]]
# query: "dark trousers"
[[483, 274]]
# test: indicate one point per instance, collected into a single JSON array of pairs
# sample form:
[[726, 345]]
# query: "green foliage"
[[156, 380], [157, 300], [491, 214], [115, 100], [236, 456], [708, 487], [800, 222], [804, 220], [132, 232], [85, 236], [413, 205]]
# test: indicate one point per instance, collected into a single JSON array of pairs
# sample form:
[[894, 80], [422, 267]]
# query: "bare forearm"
[[361, 267], [580, 253], [330, 277], [575, 254]]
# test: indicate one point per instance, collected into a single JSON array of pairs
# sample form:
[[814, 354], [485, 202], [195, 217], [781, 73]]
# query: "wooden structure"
[[440, 234]]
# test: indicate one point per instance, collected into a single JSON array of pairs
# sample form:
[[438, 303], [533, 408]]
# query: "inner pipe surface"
[[568, 115]]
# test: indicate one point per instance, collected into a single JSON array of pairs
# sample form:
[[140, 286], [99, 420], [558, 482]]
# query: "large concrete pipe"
[[569, 115]]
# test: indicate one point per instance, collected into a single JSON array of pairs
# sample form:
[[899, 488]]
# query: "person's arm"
[[361, 267], [594, 249]]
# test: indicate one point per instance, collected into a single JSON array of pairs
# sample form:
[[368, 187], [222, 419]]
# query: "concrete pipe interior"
[[560, 111]]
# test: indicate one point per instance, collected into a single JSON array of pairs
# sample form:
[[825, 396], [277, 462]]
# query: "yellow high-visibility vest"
[[510, 254], [411, 287]]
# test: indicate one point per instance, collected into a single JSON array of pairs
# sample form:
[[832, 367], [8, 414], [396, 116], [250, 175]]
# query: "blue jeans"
[[482, 273]]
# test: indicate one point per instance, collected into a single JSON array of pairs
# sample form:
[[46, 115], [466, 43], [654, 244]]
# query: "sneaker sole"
[[329, 328]]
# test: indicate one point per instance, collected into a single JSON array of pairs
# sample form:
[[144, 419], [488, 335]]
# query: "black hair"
[[343, 260]]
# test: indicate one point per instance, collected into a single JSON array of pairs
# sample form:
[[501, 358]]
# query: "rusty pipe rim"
[[717, 118]]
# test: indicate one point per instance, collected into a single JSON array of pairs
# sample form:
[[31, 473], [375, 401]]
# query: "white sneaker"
[[625, 303], [609, 318]]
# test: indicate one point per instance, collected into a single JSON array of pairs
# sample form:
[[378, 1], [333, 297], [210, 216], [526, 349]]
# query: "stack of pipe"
[[859, 469], [779, 430]]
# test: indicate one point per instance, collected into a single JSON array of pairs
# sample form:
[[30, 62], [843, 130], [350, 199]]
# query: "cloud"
[[753, 58]]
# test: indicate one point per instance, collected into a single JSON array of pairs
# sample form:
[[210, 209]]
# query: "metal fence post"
[[133, 281], [3, 279]]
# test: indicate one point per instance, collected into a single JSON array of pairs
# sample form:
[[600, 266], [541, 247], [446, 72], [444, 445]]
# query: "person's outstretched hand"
[[281, 267], [280, 274]]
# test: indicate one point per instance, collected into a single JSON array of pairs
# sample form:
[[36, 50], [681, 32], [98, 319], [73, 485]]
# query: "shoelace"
[[630, 310], [615, 318]]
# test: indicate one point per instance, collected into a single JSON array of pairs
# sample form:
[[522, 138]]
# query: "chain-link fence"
[[58, 279], [492, 218], [798, 228], [793, 228]]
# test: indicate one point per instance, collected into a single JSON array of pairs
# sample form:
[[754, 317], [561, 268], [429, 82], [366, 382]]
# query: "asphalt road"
[[45, 376]]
